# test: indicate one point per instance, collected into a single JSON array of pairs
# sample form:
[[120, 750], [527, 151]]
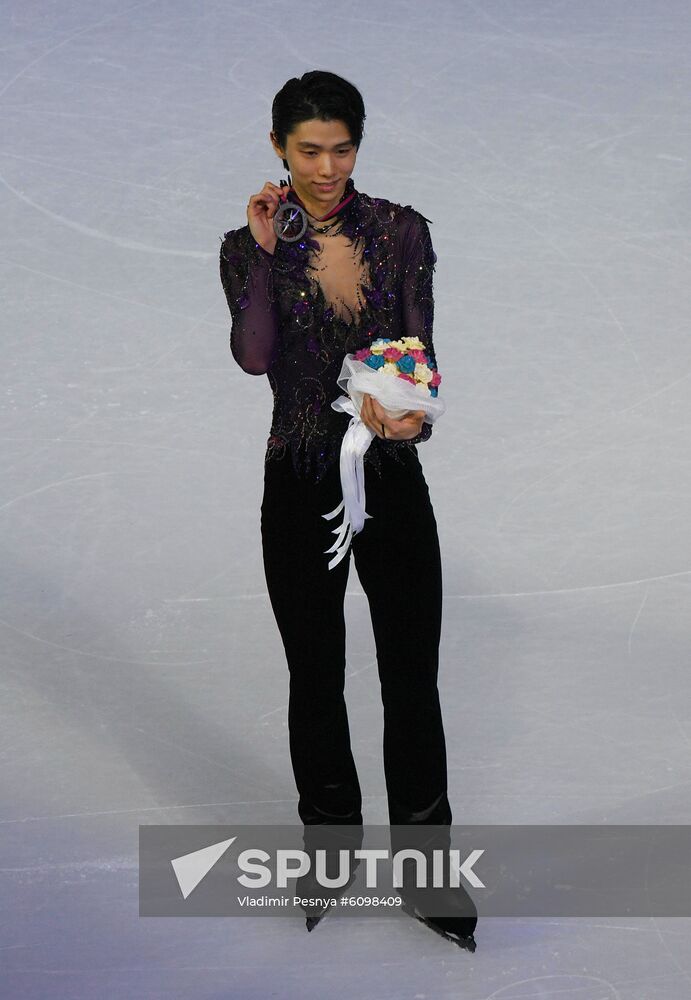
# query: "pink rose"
[[419, 356], [435, 380], [408, 378], [363, 353], [392, 354]]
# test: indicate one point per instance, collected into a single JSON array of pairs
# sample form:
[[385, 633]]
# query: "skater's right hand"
[[260, 212]]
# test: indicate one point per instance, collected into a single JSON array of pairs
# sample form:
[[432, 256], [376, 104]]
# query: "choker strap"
[[350, 187]]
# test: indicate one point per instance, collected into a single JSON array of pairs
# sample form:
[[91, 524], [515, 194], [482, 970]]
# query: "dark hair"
[[317, 94]]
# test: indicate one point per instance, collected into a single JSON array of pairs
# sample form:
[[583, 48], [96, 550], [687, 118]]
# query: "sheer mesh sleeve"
[[417, 297], [247, 282]]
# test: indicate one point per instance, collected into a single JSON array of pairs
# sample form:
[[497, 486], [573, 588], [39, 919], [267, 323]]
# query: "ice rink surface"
[[143, 678]]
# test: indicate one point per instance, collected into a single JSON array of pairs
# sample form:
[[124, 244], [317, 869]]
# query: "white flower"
[[379, 345]]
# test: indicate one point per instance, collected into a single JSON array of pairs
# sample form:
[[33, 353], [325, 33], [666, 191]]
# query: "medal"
[[290, 220]]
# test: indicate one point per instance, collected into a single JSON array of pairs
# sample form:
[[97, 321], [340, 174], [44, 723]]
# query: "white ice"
[[143, 676]]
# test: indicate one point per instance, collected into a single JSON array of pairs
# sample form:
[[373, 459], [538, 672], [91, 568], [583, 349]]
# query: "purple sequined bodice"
[[286, 326]]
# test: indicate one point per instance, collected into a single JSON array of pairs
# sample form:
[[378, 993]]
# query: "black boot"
[[457, 929], [447, 910], [324, 897], [332, 842]]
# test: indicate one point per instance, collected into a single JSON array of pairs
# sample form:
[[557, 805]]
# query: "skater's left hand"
[[374, 415]]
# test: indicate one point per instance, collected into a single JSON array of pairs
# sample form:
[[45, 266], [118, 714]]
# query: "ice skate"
[[332, 840], [456, 929], [307, 887], [448, 910], [314, 914]]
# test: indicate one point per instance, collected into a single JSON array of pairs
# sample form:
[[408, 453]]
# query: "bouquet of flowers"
[[401, 377]]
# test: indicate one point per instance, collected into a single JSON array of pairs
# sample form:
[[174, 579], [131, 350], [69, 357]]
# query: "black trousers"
[[398, 562]]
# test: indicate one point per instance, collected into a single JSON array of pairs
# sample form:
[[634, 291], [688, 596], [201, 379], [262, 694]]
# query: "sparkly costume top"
[[297, 312]]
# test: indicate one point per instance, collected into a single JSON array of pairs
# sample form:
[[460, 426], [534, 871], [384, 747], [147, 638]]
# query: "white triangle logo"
[[190, 869]]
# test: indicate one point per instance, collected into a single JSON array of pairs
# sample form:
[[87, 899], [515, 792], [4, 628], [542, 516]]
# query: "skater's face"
[[319, 153]]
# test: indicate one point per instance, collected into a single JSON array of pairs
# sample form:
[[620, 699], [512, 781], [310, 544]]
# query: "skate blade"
[[468, 942], [312, 921]]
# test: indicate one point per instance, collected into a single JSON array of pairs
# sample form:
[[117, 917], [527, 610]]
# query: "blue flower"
[[375, 361], [406, 364]]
